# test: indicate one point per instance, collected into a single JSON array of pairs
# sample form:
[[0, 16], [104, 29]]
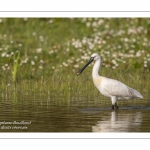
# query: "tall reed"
[[15, 66]]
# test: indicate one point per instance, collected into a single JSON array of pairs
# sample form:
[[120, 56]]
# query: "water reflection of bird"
[[113, 89], [118, 122]]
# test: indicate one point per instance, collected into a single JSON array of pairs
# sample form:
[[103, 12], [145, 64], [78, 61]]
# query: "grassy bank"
[[43, 55]]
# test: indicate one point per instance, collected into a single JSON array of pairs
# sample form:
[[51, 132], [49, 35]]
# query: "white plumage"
[[111, 88]]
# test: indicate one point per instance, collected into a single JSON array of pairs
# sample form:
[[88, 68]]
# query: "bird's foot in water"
[[114, 106]]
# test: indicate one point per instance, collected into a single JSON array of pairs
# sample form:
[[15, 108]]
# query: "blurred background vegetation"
[[44, 54]]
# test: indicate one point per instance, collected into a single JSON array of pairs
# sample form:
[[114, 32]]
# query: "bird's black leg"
[[116, 106], [113, 106]]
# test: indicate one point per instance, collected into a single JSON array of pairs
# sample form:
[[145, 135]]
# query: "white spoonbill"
[[111, 88]]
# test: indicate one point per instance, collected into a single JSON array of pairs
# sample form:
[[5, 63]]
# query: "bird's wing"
[[117, 88]]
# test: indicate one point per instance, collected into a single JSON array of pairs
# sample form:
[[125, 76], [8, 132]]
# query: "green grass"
[[49, 52]]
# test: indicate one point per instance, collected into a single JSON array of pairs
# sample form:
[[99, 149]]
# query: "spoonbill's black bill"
[[81, 70]]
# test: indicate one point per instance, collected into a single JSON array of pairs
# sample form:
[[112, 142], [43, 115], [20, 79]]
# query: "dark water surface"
[[40, 115]]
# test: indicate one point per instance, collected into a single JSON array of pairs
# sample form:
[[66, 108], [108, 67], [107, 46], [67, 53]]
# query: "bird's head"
[[94, 57]]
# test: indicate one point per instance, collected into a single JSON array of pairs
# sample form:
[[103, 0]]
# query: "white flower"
[[76, 66], [88, 24], [40, 67], [3, 54], [32, 63], [138, 54], [114, 67], [38, 50], [35, 57], [65, 64], [145, 65]]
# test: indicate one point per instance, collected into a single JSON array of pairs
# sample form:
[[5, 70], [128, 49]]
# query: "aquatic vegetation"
[[49, 52], [15, 68]]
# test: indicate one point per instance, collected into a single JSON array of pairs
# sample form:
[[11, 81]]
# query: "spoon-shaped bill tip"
[[81, 70]]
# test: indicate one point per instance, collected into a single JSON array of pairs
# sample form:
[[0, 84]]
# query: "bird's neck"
[[96, 68]]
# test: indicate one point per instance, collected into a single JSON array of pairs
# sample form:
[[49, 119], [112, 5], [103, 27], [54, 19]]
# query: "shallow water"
[[28, 114]]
